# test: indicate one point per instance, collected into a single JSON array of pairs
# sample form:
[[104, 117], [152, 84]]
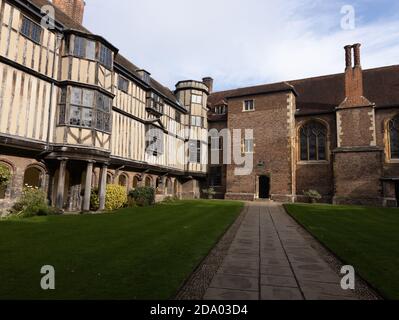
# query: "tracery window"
[[394, 137], [313, 142]]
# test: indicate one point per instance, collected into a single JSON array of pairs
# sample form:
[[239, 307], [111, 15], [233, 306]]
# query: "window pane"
[[25, 30], [90, 49], [215, 143], [105, 56], [88, 98], [394, 138], [87, 117], [75, 116], [36, 32], [304, 147], [79, 47], [76, 96], [312, 147], [322, 148]]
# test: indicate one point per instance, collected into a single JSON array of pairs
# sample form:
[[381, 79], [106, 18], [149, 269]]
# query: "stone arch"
[[148, 181], [35, 176], [136, 182], [110, 178], [5, 190], [123, 180]]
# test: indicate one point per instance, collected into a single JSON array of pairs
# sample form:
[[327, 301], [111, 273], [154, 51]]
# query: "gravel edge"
[[198, 282]]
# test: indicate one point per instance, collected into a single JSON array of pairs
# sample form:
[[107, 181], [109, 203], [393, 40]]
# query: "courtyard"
[[135, 253]]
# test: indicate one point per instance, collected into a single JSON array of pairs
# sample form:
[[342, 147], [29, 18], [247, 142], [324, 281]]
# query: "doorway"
[[264, 187], [397, 193]]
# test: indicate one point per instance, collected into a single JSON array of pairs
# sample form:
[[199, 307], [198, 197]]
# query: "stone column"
[[89, 176], [61, 183], [103, 186]]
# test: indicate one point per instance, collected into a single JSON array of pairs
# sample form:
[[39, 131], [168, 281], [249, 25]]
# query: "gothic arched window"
[[394, 137], [313, 142]]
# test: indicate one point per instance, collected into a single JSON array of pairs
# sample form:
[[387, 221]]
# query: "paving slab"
[[270, 259]]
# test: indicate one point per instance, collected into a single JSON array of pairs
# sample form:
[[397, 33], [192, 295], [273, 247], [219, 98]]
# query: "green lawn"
[[139, 253], [367, 238]]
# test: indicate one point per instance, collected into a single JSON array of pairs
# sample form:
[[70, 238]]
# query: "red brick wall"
[[358, 178], [272, 145]]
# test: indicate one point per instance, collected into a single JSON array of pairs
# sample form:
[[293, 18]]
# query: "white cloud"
[[239, 42]]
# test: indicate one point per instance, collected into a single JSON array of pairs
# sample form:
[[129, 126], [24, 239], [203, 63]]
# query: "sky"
[[246, 42]]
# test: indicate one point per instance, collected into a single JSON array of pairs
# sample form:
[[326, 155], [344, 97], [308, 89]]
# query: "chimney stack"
[[208, 81], [72, 8], [353, 78]]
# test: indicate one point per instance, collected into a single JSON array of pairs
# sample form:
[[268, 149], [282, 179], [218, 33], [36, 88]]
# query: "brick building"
[[76, 115], [337, 134]]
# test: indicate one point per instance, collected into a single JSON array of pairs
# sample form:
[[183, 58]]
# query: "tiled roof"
[[323, 94], [218, 98]]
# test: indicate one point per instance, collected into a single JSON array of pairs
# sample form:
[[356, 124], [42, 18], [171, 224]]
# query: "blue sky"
[[245, 42]]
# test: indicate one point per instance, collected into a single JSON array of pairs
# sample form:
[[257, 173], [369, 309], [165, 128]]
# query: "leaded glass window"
[[313, 142]]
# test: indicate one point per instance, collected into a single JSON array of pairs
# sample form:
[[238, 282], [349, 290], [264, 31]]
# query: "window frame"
[[220, 110], [83, 46], [32, 25], [245, 150], [244, 108], [123, 80], [198, 100], [390, 130], [67, 104], [194, 121], [317, 149], [104, 49], [197, 146]]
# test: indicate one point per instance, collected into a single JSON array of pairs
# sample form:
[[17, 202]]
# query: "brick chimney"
[[208, 81], [72, 8], [353, 79]]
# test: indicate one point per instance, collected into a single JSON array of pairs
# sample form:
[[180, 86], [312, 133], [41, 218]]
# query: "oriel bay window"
[[84, 48], [90, 49], [313, 142], [85, 108]]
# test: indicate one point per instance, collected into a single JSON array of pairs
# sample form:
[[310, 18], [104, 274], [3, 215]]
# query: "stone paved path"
[[269, 259]]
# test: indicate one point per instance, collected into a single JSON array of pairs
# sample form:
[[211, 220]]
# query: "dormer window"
[[220, 109], [31, 30], [144, 75], [155, 103]]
